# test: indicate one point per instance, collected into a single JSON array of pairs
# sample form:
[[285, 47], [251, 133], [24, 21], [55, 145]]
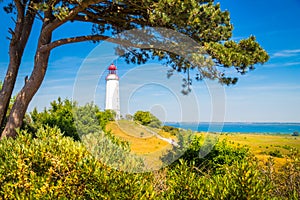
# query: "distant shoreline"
[[270, 128]]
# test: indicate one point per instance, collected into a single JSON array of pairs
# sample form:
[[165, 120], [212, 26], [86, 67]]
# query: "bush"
[[285, 180], [147, 119], [171, 129], [105, 116], [60, 114], [73, 120], [219, 153], [51, 166], [54, 167], [276, 153], [241, 180]]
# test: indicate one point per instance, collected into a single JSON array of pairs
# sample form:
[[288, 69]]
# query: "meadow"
[[263, 146]]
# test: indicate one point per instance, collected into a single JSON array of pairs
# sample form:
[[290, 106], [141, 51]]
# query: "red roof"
[[112, 67]]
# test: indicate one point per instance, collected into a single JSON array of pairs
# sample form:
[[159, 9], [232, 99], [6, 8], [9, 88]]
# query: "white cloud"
[[291, 63], [282, 64], [286, 53]]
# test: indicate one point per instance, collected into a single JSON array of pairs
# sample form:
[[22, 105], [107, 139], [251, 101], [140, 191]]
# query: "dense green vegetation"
[[170, 129], [45, 163], [51, 166], [59, 114], [146, 118], [73, 121]]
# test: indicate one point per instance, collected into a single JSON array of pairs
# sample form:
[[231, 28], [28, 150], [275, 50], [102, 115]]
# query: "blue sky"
[[270, 93]]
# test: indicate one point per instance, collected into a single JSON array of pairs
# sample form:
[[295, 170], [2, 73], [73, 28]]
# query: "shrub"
[[147, 119], [171, 129], [241, 180], [73, 120], [60, 114], [276, 153], [218, 153], [54, 167], [86, 119], [285, 180], [105, 116]]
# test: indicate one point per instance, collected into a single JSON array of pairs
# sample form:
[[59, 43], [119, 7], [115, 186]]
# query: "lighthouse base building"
[[112, 91]]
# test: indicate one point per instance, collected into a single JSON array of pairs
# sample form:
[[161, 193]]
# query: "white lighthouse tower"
[[112, 91]]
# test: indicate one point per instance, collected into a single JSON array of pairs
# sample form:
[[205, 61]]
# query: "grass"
[[133, 129], [146, 145], [264, 145], [143, 142]]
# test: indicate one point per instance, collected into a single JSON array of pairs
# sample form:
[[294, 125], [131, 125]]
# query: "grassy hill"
[[144, 142], [141, 139]]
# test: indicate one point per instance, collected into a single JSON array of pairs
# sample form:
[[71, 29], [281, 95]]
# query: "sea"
[[239, 127]]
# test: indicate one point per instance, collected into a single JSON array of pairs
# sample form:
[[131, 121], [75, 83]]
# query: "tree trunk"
[[17, 45], [30, 88], [9, 81], [24, 97]]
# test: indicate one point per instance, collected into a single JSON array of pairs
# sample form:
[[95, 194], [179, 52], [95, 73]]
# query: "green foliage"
[[208, 152], [86, 119], [60, 114], [185, 138], [50, 166], [241, 180], [170, 129], [285, 181], [229, 172], [210, 28], [73, 120], [90, 124], [144, 117], [223, 154], [54, 167], [112, 152], [147, 119], [275, 153], [105, 116]]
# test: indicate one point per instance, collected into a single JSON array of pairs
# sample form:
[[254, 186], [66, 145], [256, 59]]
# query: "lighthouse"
[[112, 91]]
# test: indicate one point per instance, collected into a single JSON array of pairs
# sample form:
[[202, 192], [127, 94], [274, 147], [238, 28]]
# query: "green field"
[[263, 146]]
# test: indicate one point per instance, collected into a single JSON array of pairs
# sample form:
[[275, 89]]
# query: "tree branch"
[[57, 22], [28, 22], [64, 41], [20, 20], [88, 19], [60, 42]]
